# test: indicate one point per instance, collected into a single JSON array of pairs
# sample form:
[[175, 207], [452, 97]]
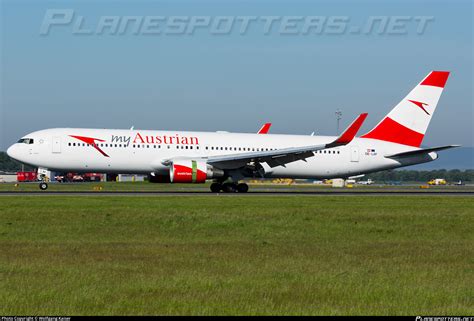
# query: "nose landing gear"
[[43, 186]]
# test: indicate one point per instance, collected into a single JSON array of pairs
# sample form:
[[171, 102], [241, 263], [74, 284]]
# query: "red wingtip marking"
[[265, 128], [436, 78], [352, 130]]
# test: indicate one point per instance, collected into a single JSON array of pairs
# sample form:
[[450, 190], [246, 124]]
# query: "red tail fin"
[[407, 123]]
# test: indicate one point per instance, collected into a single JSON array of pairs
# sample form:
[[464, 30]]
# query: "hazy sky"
[[234, 82]]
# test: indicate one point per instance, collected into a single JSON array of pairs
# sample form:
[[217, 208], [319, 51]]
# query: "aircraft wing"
[[421, 151], [280, 157]]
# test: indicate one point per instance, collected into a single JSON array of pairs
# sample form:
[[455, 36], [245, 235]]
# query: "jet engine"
[[193, 171]]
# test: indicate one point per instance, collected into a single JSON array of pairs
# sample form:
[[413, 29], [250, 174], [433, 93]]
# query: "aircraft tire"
[[242, 188], [216, 187], [229, 188]]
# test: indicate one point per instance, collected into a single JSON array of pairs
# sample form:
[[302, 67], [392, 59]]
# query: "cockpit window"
[[27, 141]]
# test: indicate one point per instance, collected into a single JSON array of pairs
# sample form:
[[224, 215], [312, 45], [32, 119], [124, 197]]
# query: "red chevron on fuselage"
[[91, 141]]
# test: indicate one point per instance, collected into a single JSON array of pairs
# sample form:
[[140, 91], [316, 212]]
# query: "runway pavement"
[[249, 194]]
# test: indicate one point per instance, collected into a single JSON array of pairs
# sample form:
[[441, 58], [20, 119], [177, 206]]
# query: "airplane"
[[228, 158]]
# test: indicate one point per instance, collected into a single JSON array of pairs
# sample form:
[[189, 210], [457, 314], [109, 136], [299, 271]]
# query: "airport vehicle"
[[75, 177], [26, 176], [437, 181], [226, 158]]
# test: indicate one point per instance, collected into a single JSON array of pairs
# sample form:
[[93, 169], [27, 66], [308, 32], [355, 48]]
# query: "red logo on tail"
[[420, 104], [91, 141]]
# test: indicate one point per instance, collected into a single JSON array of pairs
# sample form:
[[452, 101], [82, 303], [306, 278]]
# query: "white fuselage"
[[143, 151]]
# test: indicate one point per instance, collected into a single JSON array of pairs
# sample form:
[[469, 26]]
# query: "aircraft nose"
[[11, 151]]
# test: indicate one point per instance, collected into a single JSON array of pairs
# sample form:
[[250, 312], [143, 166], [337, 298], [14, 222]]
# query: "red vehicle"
[[92, 177], [26, 176], [75, 177]]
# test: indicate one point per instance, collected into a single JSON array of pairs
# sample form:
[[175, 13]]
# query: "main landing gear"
[[229, 187], [43, 186]]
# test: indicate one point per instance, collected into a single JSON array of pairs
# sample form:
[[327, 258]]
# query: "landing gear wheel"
[[242, 188], [229, 188], [43, 186], [216, 187]]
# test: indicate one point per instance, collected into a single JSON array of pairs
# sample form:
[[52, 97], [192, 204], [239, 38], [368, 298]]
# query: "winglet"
[[348, 135], [265, 128]]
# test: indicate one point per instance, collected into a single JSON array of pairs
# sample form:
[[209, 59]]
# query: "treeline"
[[453, 175], [9, 165]]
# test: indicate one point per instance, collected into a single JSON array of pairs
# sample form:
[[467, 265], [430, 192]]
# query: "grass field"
[[236, 255]]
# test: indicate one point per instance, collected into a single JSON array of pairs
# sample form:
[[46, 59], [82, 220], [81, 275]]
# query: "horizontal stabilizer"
[[421, 151]]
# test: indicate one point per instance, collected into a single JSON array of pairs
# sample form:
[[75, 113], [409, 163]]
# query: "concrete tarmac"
[[250, 193]]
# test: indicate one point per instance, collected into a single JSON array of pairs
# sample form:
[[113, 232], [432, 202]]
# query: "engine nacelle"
[[192, 171]]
